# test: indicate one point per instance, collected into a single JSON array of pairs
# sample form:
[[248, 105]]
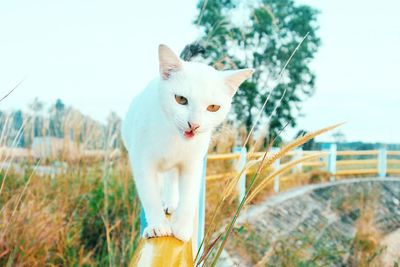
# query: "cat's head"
[[196, 97]]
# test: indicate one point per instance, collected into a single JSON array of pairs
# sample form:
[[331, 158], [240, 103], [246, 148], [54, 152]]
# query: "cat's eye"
[[181, 100], [213, 108]]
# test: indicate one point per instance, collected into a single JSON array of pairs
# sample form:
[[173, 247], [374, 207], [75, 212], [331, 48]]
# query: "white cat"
[[167, 131]]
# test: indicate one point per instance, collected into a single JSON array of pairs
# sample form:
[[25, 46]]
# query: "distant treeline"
[[341, 144], [20, 128], [357, 146]]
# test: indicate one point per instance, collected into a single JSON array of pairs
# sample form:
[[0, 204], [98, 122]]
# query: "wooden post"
[[239, 166], [382, 162], [276, 165], [332, 161], [162, 251]]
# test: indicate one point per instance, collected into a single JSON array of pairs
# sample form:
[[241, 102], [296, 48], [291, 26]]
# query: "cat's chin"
[[189, 134]]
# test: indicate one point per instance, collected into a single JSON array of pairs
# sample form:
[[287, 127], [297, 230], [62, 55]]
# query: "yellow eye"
[[213, 108], [181, 100]]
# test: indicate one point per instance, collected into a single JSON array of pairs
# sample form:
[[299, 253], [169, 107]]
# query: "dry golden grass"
[[284, 168], [367, 249], [30, 232], [69, 220], [216, 239], [88, 213]]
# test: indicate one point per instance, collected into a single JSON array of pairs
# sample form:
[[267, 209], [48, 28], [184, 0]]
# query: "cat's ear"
[[169, 62], [234, 78]]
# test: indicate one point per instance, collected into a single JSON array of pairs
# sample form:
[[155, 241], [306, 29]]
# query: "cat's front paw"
[[182, 229], [163, 229]]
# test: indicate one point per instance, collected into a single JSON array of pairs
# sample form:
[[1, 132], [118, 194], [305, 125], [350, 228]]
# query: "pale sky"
[[96, 55]]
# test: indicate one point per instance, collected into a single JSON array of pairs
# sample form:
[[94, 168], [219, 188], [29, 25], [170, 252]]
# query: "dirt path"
[[392, 252]]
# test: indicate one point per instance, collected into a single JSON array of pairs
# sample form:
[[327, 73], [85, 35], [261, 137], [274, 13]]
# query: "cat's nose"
[[193, 126]]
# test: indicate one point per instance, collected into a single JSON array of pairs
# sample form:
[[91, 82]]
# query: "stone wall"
[[319, 221]]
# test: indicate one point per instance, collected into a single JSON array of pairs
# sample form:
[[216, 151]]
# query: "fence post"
[[239, 166], [298, 153], [332, 161], [382, 162], [201, 216], [276, 165]]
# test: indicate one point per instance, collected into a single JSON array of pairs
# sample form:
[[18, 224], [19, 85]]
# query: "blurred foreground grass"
[[86, 216]]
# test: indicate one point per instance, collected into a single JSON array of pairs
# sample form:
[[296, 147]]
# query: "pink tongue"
[[189, 134]]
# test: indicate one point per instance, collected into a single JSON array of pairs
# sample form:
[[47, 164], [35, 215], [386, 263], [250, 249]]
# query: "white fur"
[[167, 166]]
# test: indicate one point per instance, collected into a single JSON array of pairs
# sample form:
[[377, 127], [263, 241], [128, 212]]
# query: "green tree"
[[113, 128], [262, 34], [18, 122], [37, 107], [57, 113], [59, 105]]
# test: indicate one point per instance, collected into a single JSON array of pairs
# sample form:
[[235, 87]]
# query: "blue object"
[[143, 222], [202, 205]]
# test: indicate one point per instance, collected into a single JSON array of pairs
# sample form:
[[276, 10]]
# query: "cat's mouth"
[[189, 134]]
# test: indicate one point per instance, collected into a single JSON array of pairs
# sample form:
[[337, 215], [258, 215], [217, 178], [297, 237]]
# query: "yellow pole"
[[163, 252]]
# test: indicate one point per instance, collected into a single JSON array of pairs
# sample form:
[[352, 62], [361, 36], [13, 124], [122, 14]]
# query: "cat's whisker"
[[179, 124]]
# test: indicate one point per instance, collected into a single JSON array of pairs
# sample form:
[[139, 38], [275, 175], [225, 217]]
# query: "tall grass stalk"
[[12, 90], [10, 158], [250, 133], [212, 224], [84, 215], [258, 117], [266, 162], [24, 190], [284, 168]]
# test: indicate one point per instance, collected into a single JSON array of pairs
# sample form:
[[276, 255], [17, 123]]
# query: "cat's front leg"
[[170, 192], [182, 220], [149, 189]]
